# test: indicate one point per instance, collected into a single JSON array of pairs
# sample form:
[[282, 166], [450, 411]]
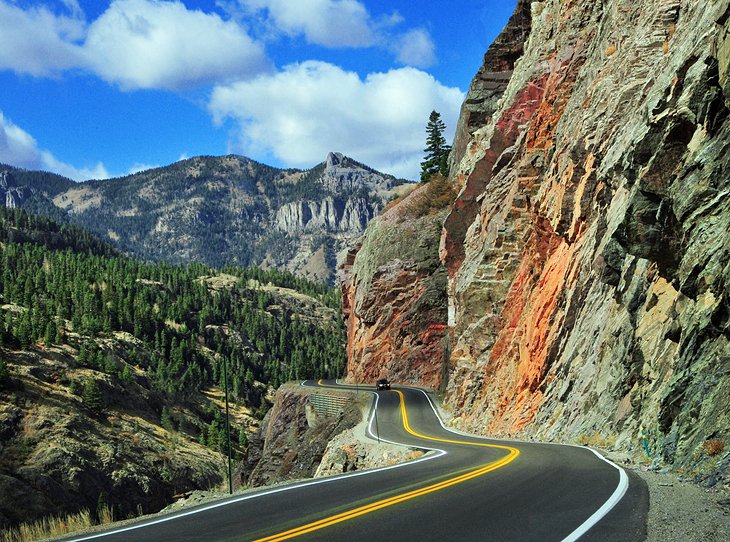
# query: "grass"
[[55, 526], [596, 439], [713, 446]]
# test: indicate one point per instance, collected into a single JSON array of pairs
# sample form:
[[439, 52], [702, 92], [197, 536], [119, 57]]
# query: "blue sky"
[[102, 89]]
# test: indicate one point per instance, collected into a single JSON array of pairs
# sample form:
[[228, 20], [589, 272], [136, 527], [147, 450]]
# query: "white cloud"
[[309, 109], [416, 48], [38, 42], [346, 23], [18, 148], [332, 23], [134, 43], [156, 44]]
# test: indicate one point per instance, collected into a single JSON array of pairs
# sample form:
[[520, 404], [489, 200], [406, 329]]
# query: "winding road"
[[466, 488]]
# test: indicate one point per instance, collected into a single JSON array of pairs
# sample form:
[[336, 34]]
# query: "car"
[[382, 384]]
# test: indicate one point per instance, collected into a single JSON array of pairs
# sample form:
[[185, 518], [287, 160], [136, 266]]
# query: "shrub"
[[92, 397], [439, 194], [714, 446]]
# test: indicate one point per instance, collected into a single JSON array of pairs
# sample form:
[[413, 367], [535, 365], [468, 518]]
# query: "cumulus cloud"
[[415, 48], [134, 43], [346, 23], [309, 109], [156, 44], [332, 23], [20, 149], [38, 42]]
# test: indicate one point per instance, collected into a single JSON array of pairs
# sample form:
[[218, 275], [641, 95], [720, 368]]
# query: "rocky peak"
[[342, 174], [333, 159], [12, 194]]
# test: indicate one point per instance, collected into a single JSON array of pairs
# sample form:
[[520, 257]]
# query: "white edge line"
[[613, 500], [325, 480], [598, 515]]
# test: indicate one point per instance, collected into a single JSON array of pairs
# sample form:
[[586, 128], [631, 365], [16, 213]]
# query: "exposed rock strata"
[[587, 252], [592, 292], [394, 297]]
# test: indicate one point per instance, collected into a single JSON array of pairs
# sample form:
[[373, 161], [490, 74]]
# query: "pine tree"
[[4, 373], [437, 151], [92, 397]]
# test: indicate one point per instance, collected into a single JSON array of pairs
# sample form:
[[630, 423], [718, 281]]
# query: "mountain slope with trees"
[[218, 210], [112, 368]]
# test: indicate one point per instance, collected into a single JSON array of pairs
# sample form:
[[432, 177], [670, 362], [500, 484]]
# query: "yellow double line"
[[372, 507]]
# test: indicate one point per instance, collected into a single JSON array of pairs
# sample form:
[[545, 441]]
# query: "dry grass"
[[597, 439], [55, 526], [714, 446], [439, 194]]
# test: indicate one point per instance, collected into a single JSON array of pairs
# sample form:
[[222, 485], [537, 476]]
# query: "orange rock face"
[[586, 254], [394, 297]]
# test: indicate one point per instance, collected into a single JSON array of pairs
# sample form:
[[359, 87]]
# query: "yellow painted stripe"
[[372, 507]]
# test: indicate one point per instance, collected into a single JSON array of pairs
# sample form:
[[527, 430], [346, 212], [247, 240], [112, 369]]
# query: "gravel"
[[680, 510]]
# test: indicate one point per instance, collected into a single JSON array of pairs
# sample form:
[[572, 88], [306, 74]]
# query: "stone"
[[394, 296], [587, 250]]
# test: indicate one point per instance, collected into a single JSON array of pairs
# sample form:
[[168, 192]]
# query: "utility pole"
[[228, 426]]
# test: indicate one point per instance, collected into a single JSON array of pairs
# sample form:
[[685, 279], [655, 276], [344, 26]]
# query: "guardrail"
[[328, 404]]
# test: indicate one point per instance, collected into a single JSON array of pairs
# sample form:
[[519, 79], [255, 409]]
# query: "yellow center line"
[[377, 505]]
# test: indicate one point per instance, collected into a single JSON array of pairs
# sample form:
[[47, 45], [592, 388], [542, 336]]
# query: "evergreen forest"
[[60, 285]]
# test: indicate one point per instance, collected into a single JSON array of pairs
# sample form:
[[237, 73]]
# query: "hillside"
[[587, 250], [111, 369], [218, 210]]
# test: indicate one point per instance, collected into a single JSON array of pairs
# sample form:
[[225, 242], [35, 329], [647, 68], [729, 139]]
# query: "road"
[[465, 488]]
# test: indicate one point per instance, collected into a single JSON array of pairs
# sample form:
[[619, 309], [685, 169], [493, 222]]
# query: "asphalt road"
[[468, 488]]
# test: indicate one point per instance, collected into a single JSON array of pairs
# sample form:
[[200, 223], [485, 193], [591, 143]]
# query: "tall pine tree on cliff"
[[437, 151]]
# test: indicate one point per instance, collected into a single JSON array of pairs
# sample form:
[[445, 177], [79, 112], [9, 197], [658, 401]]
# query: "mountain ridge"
[[218, 210]]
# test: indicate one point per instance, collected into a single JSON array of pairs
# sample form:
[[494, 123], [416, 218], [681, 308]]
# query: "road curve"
[[466, 488]]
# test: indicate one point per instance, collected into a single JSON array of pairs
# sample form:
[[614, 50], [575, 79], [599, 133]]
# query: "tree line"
[[75, 289]]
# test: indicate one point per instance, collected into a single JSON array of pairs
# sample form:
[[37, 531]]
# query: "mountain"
[[218, 210], [112, 369], [587, 250]]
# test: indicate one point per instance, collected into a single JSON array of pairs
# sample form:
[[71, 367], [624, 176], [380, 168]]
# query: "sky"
[[105, 89]]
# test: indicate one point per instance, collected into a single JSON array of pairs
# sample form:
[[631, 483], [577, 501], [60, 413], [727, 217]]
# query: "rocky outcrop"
[[293, 437], [12, 194], [394, 295], [326, 215], [587, 251], [590, 287]]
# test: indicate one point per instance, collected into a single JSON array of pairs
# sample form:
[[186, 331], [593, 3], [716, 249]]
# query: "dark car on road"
[[382, 384]]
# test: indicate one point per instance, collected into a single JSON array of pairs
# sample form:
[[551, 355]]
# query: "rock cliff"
[[10, 193], [293, 436], [394, 293], [587, 251]]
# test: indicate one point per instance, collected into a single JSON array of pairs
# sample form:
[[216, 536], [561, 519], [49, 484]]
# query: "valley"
[[551, 305]]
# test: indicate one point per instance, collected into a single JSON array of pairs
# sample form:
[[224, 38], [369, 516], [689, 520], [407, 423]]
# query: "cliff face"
[[587, 251], [293, 437], [11, 194], [394, 293]]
